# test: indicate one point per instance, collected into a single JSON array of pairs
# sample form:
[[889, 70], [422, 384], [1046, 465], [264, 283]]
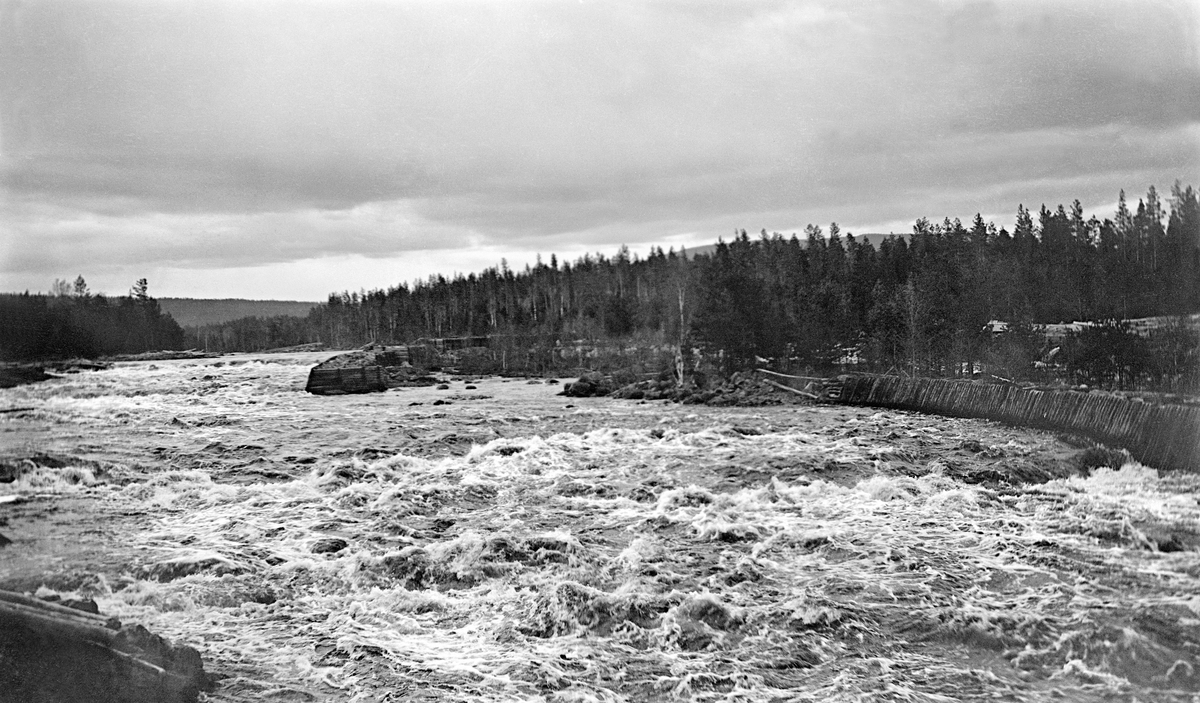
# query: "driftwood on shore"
[[797, 391], [56, 654]]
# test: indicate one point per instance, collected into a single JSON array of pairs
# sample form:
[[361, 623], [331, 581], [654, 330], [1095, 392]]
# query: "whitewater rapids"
[[503, 543]]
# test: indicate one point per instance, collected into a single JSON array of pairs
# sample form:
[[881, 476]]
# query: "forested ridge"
[[918, 303]]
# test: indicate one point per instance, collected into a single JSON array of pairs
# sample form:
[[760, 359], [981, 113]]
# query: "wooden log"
[[1157, 434], [808, 379], [1171, 440], [59, 610], [56, 624], [789, 389], [1009, 407], [1185, 446]]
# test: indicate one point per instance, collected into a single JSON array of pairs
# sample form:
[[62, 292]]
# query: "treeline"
[[923, 303], [1112, 354], [252, 334], [918, 303], [72, 321]]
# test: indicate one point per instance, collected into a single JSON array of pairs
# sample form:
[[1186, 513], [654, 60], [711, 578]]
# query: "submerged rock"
[[12, 375], [200, 561], [329, 545]]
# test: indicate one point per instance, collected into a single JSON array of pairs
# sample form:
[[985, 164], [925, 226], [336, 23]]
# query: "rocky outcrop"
[[53, 653], [589, 385], [741, 388], [17, 374]]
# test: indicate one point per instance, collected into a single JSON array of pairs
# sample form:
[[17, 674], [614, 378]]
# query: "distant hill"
[[875, 237], [193, 312]]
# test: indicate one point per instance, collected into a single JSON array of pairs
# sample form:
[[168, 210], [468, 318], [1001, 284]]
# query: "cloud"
[[249, 133]]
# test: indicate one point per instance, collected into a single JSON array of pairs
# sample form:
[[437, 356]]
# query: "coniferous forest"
[[74, 322], [918, 303]]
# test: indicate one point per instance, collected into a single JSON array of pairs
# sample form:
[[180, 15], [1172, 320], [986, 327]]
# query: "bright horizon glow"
[[357, 273]]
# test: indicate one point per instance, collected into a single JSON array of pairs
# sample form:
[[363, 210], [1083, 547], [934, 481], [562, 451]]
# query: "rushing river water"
[[503, 543]]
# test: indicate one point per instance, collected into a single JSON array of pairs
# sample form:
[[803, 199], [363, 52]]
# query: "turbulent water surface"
[[504, 543]]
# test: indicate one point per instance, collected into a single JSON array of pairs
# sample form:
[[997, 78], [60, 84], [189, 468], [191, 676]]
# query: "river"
[[501, 542]]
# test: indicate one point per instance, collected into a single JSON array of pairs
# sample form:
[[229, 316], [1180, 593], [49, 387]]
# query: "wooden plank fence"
[[1162, 436]]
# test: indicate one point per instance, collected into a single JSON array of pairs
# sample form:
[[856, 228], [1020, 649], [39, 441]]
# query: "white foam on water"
[[618, 551]]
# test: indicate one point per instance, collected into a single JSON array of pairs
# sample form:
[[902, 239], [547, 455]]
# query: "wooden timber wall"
[[1161, 436], [356, 379]]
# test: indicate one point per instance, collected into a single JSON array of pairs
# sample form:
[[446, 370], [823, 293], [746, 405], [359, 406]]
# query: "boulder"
[[589, 385], [52, 653]]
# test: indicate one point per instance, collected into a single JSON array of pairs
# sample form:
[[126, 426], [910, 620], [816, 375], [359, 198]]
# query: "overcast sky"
[[289, 149]]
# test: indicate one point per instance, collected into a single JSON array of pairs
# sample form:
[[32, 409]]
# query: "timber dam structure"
[[1159, 435]]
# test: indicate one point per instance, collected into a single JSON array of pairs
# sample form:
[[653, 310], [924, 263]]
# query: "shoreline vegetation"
[[1060, 300]]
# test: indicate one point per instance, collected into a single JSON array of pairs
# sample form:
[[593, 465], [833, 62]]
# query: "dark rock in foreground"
[[53, 653]]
